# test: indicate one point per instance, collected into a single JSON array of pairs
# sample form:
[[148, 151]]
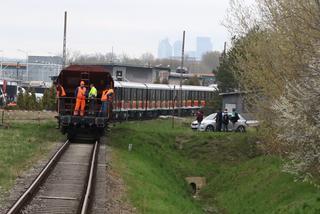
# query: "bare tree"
[[279, 57]]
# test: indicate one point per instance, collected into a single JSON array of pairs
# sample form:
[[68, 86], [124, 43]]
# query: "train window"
[[168, 97], [158, 94], [139, 94], [152, 94], [207, 97], [165, 97], [187, 95], [211, 95], [201, 95], [127, 94], [195, 95], [133, 94], [118, 93], [183, 95], [144, 94]]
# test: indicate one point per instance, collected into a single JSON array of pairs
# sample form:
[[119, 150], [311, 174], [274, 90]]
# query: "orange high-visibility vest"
[[81, 93], [110, 94], [106, 95], [60, 91]]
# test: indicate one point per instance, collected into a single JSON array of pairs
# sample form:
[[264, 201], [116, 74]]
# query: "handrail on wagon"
[[88, 109]]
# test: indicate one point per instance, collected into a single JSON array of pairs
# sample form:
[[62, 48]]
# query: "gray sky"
[[130, 26]]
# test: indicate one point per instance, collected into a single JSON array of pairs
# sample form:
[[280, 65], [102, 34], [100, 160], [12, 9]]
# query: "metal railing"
[[93, 107]]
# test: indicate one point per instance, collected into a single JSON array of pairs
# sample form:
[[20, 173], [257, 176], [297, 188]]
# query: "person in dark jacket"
[[199, 118], [219, 120], [225, 120], [234, 118]]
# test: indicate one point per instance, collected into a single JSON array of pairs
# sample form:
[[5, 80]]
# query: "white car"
[[209, 124]]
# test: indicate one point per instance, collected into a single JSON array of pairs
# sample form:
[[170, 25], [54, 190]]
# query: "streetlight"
[[26, 62]]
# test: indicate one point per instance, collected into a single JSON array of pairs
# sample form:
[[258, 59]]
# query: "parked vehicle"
[[209, 124]]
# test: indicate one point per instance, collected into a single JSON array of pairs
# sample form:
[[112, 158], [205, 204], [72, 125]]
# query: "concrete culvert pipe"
[[193, 188]]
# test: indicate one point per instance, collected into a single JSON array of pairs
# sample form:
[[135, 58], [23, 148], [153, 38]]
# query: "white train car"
[[138, 100]]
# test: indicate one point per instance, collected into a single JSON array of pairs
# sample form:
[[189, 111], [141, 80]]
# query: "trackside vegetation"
[[21, 144], [240, 179]]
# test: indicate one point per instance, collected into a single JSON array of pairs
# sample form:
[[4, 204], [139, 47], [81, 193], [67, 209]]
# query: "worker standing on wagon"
[[60, 95], [92, 96], [106, 99], [80, 94]]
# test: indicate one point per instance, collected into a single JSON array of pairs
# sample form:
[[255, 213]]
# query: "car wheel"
[[241, 129], [210, 129]]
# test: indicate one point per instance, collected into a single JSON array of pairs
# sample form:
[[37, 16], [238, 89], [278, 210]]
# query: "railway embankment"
[[155, 160], [22, 144]]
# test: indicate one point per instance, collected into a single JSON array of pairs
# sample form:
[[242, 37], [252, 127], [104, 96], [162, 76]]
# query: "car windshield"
[[210, 117]]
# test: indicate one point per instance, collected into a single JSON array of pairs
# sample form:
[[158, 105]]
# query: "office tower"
[[164, 49]]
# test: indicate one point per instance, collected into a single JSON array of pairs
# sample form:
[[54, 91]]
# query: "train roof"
[[129, 84], [162, 86], [158, 86], [196, 88]]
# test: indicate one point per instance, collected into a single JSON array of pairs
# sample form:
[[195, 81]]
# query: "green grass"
[[21, 145], [239, 179]]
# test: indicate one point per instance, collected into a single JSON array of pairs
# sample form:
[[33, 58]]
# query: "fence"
[[11, 116]]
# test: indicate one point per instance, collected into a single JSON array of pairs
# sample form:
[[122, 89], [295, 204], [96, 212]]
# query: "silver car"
[[209, 124]]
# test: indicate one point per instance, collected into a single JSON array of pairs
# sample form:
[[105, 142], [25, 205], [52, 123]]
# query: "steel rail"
[[27, 195], [90, 179]]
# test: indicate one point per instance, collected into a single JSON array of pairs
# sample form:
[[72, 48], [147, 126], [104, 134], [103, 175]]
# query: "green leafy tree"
[[225, 74], [48, 101], [21, 101], [33, 104]]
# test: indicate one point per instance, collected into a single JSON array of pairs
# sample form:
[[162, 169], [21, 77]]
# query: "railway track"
[[64, 185]]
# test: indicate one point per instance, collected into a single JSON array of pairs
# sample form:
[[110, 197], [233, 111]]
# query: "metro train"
[[130, 100]]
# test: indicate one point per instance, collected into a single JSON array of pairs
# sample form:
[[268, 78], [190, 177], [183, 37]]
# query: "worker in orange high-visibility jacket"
[[106, 99], [60, 94], [80, 94]]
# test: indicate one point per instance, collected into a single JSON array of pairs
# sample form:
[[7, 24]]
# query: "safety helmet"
[[82, 82]]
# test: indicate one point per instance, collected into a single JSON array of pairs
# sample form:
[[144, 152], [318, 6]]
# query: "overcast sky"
[[130, 26]]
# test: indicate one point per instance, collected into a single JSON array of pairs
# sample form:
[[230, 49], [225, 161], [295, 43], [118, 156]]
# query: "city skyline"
[[168, 49], [131, 27]]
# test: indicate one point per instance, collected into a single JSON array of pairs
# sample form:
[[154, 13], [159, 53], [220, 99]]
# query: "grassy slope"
[[238, 179], [21, 145]]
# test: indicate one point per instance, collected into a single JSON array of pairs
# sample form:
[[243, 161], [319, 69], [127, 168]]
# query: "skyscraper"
[[177, 48], [164, 49], [203, 45]]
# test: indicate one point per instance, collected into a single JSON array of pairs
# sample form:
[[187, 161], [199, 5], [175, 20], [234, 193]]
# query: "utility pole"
[[18, 65], [64, 55], [181, 70], [112, 55]]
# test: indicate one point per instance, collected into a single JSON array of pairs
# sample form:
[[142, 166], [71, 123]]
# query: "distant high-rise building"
[[164, 49], [177, 48], [203, 45]]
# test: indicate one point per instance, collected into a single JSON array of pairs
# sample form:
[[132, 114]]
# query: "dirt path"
[[116, 190]]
